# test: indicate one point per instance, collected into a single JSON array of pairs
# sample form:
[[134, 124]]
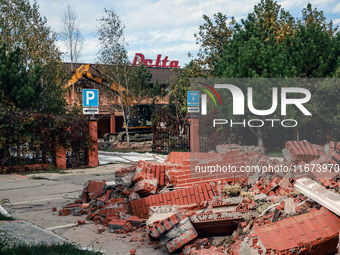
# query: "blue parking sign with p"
[[90, 98], [193, 98]]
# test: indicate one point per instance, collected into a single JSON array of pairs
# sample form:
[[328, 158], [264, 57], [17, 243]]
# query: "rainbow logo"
[[209, 93]]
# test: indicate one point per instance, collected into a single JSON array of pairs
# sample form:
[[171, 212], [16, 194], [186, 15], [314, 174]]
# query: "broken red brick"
[[134, 220], [140, 207], [119, 225], [157, 228], [64, 212], [81, 222], [302, 233], [179, 241], [92, 189], [303, 151], [146, 187]]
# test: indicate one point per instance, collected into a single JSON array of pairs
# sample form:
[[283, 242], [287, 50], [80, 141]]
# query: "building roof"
[[162, 75]]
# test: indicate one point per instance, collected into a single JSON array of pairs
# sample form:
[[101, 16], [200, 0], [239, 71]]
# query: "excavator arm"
[[140, 127], [84, 72]]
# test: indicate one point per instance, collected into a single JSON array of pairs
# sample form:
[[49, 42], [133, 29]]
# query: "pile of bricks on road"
[[182, 205]]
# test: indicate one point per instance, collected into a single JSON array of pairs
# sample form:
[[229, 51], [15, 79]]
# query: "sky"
[[165, 27]]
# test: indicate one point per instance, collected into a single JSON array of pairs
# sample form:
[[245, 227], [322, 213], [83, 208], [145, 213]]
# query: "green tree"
[[269, 44], [252, 54], [23, 27], [140, 86], [314, 50], [313, 53], [325, 108], [273, 20], [113, 55], [20, 87], [179, 87], [212, 37], [310, 15]]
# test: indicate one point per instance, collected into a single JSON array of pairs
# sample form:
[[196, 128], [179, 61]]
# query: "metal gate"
[[172, 137]]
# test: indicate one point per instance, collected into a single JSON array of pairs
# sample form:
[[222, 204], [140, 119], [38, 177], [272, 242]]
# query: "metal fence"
[[174, 138], [76, 157], [26, 154]]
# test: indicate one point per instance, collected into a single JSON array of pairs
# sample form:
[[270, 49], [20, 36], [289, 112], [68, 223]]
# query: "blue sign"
[[90, 98], [193, 98]]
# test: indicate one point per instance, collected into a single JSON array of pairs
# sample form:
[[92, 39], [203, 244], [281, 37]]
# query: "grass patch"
[[43, 249], [277, 154], [51, 170]]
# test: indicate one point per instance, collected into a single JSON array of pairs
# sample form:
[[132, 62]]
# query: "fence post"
[[194, 133], [60, 157], [93, 149]]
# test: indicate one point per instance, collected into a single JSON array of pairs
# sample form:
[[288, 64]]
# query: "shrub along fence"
[[32, 141]]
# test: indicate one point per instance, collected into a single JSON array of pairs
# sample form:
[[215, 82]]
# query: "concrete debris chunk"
[[320, 194], [157, 227], [289, 206], [179, 235], [197, 244], [109, 185], [124, 177], [145, 184]]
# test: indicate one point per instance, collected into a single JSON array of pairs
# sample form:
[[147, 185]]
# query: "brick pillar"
[[338, 253], [194, 134], [113, 124], [60, 157], [93, 150]]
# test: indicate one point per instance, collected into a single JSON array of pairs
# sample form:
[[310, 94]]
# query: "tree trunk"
[[259, 135], [126, 127], [127, 136]]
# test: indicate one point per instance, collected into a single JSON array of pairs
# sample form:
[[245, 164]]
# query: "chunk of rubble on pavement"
[[295, 211]]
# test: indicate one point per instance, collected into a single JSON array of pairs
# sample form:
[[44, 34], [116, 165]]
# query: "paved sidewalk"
[[33, 196], [23, 231]]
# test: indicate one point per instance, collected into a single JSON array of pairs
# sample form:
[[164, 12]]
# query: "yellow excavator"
[[140, 120]]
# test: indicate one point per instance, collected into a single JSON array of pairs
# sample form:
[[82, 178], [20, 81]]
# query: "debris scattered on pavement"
[[277, 207]]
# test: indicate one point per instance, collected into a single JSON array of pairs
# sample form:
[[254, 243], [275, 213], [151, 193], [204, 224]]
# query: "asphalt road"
[[33, 196]]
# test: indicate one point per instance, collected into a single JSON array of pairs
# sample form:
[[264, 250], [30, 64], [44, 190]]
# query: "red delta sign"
[[139, 59]]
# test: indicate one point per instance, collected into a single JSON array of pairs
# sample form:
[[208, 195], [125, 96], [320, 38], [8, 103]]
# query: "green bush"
[[27, 133]]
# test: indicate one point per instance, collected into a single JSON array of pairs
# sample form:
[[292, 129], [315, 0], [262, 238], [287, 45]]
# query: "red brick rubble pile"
[[182, 206]]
